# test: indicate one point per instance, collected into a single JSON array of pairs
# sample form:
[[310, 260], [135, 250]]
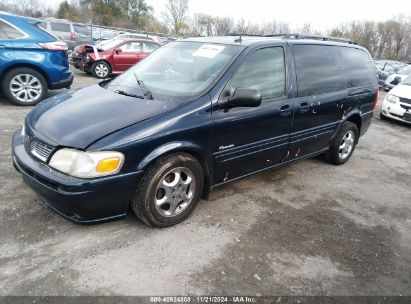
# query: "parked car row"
[[385, 68], [397, 103], [390, 73], [33, 60]]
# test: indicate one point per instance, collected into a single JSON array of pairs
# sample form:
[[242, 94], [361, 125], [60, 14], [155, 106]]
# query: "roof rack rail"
[[317, 37], [294, 36]]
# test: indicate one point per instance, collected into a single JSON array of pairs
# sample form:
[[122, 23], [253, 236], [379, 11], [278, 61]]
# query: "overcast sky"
[[322, 14]]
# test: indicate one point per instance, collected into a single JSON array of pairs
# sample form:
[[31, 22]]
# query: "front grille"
[[405, 107], [405, 100], [41, 150]]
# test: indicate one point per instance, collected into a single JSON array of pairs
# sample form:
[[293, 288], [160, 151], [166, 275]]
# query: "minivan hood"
[[79, 118]]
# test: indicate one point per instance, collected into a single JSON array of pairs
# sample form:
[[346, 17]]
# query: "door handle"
[[304, 107], [285, 110], [2, 46]]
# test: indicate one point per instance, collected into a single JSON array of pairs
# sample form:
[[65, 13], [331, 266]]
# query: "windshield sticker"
[[208, 50]]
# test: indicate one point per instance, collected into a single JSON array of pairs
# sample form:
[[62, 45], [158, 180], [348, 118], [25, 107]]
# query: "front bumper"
[[79, 200], [395, 111], [77, 61]]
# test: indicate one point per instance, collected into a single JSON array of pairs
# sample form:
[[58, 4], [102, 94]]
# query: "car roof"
[[136, 40], [11, 17], [247, 40]]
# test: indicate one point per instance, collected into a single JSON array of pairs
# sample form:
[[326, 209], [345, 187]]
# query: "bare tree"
[[223, 26], [175, 14], [274, 27], [202, 25]]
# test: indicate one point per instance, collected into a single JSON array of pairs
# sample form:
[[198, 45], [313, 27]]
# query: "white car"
[[397, 103], [396, 78]]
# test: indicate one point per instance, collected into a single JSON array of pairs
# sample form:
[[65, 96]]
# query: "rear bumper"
[[79, 200], [366, 119], [63, 84]]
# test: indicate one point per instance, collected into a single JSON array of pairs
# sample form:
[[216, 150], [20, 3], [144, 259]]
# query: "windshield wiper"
[[128, 94], [147, 94]]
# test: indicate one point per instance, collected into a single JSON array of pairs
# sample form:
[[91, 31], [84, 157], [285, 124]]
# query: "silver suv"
[[71, 33]]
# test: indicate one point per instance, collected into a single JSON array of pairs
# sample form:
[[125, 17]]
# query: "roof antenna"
[[239, 40]]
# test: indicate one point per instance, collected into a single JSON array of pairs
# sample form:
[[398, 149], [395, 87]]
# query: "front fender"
[[178, 146]]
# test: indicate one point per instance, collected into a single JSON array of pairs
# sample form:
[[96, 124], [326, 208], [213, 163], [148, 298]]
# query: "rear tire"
[[24, 87], [101, 69], [169, 190], [343, 145]]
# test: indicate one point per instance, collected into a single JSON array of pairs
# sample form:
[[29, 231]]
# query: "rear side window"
[[264, 70], [81, 29], [131, 47], [357, 67], [60, 27], [3, 35], [10, 31], [318, 69], [149, 47]]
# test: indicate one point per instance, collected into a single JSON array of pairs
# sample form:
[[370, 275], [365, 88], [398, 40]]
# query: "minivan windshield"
[[178, 71], [405, 70], [407, 81]]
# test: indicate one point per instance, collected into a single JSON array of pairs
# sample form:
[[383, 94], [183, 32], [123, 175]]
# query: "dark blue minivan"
[[195, 114], [32, 61]]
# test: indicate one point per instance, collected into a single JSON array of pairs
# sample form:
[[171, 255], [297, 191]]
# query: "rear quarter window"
[[9, 31], [357, 67], [318, 69], [60, 27], [82, 29]]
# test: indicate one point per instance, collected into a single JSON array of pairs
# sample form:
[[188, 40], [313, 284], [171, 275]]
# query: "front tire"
[[24, 86], [342, 147], [101, 69], [169, 190]]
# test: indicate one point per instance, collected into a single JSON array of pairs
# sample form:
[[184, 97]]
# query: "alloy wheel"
[[347, 145], [26, 87], [175, 192], [101, 70]]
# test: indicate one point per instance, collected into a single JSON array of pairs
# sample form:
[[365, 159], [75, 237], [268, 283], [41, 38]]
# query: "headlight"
[[87, 164], [392, 98]]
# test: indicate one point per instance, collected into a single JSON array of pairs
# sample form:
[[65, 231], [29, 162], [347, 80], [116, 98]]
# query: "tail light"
[[376, 98], [73, 36], [54, 46]]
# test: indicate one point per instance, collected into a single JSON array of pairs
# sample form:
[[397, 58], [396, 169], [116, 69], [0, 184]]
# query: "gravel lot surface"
[[306, 229]]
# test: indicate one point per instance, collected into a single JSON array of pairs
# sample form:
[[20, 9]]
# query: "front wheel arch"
[[183, 147]]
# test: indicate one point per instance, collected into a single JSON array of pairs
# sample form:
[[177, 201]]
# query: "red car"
[[112, 58]]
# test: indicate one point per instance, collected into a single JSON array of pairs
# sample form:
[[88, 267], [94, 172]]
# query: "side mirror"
[[396, 80], [117, 50], [242, 98]]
